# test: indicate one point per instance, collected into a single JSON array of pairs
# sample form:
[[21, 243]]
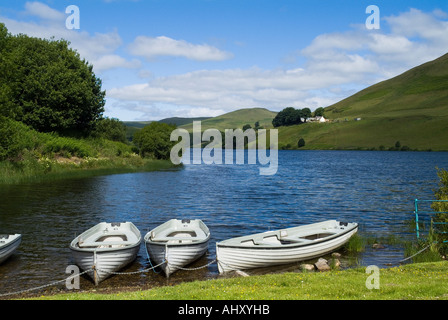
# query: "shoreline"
[[37, 171], [414, 281]]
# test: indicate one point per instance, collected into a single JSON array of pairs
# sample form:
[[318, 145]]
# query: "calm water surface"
[[375, 189]]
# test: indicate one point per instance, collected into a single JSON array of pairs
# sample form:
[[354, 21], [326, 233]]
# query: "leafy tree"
[[319, 112], [301, 143], [246, 126], [111, 129], [153, 140], [15, 137], [287, 117], [397, 144], [305, 113], [46, 85]]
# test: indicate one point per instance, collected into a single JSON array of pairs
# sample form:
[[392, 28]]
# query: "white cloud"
[[98, 48], [415, 37], [428, 26], [226, 90], [43, 11], [337, 65], [112, 61], [150, 48]]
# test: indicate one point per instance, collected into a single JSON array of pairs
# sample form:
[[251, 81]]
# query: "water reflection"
[[375, 189]]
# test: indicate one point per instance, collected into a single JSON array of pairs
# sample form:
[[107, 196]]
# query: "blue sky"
[[186, 58]]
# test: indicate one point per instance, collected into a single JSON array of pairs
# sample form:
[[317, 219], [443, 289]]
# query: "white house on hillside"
[[320, 119]]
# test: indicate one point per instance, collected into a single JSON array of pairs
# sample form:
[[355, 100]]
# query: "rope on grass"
[[415, 253]]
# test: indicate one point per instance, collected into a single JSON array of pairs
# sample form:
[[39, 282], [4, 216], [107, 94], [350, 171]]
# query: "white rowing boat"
[[177, 243], [283, 246], [106, 248], [8, 245]]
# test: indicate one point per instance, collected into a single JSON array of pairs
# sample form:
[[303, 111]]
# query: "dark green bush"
[[14, 138]]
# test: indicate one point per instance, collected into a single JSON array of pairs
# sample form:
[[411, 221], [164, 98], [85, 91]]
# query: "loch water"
[[376, 189]]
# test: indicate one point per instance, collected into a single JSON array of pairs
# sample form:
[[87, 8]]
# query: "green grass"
[[416, 132], [40, 170], [44, 157], [422, 90], [422, 281], [411, 108]]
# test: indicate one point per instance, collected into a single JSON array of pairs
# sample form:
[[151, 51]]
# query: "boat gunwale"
[[194, 240], [99, 250], [110, 249], [10, 243], [164, 244], [285, 246]]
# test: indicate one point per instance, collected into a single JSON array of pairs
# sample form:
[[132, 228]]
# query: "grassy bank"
[[421, 281], [52, 169], [61, 158]]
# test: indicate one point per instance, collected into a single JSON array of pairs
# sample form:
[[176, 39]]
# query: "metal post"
[[416, 219]]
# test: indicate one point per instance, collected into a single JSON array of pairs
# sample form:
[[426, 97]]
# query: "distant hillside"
[[237, 119], [133, 126], [411, 108], [182, 121], [231, 120], [136, 124], [421, 91]]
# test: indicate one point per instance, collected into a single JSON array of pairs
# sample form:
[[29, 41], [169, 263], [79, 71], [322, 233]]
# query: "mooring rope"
[[76, 275], [43, 286], [197, 268], [141, 271], [415, 254], [131, 272]]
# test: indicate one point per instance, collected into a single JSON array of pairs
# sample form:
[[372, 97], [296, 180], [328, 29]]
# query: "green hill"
[[237, 119], [411, 108], [178, 121], [136, 124]]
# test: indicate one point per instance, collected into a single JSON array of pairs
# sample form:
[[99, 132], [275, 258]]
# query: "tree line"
[[45, 86], [291, 116]]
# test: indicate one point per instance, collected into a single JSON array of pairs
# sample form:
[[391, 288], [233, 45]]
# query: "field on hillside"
[[237, 119], [417, 133]]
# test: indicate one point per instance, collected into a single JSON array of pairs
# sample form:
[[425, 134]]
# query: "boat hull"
[[232, 257], [102, 264], [8, 245], [177, 243], [106, 248], [175, 256]]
